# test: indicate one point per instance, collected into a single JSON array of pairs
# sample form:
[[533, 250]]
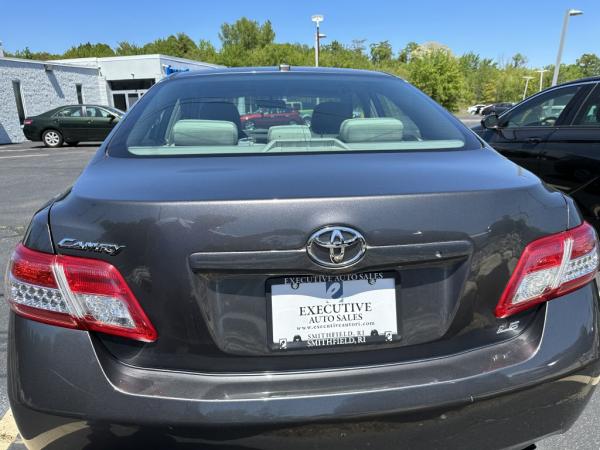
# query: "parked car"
[[271, 113], [344, 285], [475, 109], [556, 135], [71, 124], [496, 108]]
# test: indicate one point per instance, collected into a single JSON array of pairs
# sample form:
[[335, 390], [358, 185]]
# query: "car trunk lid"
[[205, 238]]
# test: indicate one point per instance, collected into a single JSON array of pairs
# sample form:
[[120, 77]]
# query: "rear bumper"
[[31, 133], [65, 394]]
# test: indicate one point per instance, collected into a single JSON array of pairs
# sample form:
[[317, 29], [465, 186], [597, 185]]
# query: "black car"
[[496, 108], [72, 124], [556, 135], [384, 281]]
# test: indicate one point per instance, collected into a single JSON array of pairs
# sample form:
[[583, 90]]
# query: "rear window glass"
[[254, 113]]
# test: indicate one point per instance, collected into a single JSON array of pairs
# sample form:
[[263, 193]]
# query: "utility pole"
[[542, 72], [317, 19], [569, 13], [526, 86]]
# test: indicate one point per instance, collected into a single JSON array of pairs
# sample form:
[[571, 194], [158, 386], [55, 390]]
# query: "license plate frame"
[[381, 339]]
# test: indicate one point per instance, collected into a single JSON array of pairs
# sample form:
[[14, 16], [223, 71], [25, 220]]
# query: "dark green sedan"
[[72, 124]]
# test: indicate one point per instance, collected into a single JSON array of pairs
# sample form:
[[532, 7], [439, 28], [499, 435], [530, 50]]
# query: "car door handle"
[[534, 140]]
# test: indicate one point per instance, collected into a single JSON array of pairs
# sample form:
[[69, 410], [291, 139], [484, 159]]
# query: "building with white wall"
[[127, 78], [29, 87]]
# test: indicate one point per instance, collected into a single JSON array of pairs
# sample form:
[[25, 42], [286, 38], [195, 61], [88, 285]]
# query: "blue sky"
[[494, 29]]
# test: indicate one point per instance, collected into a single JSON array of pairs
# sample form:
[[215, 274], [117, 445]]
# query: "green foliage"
[[438, 74], [246, 34], [406, 52], [338, 55], [28, 54], [589, 64], [452, 81], [88, 50], [381, 52], [180, 45], [127, 49]]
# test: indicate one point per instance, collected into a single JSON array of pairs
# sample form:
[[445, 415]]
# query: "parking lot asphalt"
[[30, 174]]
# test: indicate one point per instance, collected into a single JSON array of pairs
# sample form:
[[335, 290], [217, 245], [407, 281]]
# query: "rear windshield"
[[256, 113]]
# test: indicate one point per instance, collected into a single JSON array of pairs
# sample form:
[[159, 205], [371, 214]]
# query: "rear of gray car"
[[373, 278]]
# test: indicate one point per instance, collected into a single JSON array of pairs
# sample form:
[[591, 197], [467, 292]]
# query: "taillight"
[[72, 292], [27, 121], [550, 267]]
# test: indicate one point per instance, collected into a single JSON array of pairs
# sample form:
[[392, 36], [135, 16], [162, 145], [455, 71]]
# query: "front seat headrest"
[[225, 111], [328, 116], [192, 132], [375, 129]]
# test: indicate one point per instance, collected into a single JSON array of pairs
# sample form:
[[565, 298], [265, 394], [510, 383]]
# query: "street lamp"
[[542, 72], [317, 19], [527, 79], [569, 13]]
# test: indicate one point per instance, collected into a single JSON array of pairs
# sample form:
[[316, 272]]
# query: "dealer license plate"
[[332, 310]]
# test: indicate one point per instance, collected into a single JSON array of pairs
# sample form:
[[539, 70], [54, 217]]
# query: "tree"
[[338, 55], [206, 52], [518, 60], [589, 64], [125, 48], [358, 46], [26, 53], [406, 53], [276, 54], [437, 73], [180, 45], [246, 34], [381, 52], [88, 50]]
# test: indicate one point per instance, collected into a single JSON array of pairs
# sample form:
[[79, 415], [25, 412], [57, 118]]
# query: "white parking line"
[[24, 156], [8, 430], [14, 150]]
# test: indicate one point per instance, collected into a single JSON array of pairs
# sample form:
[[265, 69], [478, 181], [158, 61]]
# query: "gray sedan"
[[380, 278]]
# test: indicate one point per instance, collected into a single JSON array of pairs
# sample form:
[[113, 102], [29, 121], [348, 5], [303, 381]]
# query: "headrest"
[[288, 132], [328, 116], [213, 110], [192, 132], [378, 129]]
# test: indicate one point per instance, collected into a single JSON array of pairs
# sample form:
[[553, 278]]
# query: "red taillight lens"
[[75, 292], [550, 267], [27, 122]]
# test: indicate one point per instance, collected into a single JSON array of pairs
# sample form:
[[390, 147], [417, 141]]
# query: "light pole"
[[542, 72], [317, 19], [569, 13], [526, 86]]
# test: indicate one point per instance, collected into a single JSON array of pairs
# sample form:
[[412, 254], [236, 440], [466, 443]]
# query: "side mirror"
[[490, 122], [111, 117]]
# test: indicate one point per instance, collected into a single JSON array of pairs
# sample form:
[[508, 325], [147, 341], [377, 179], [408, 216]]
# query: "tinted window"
[[543, 110], [92, 111], [74, 111], [589, 116], [272, 112]]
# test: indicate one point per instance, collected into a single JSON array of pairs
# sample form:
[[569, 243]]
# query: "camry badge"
[[98, 247], [336, 247]]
